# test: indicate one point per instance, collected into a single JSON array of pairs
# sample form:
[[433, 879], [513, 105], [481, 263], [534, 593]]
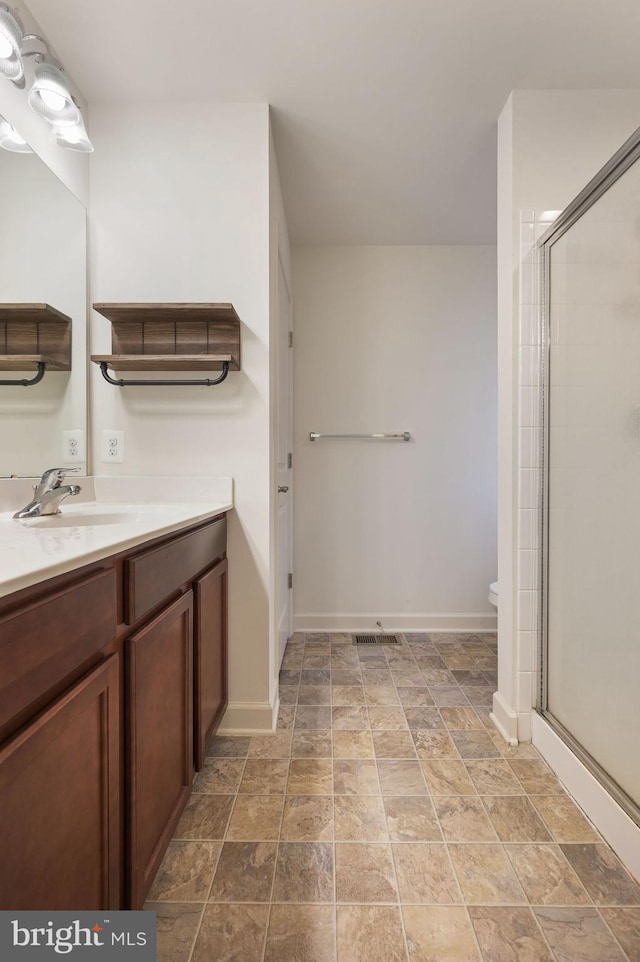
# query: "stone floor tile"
[[177, 924], [185, 872], [393, 744], [564, 819], [229, 746], [360, 818], [364, 872], [578, 935], [310, 776], [350, 718], [304, 933], [352, 744], [401, 776], [602, 874], [205, 817], [515, 819], [411, 819], [304, 872], [314, 695], [463, 819], [231, 932], [219, 776], [486, 875], [436, 933], [313, 717], [434, 744], [264, 776], [244, 872], [307, 743], [256, 818], [625, 925], [271, 746], [307, 818], [425, 874], [355, 776], [342, 695], [509, 934], [447, 776], [546, 876], [369, 933], [493, 776]]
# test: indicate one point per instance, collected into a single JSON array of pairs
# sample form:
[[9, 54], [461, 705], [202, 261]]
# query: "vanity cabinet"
[[98, 721], [59, 799]]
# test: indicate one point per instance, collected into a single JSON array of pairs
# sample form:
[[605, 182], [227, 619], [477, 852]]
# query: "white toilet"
[[493, 594]]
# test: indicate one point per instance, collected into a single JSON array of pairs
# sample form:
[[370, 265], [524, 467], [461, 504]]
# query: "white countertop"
[[116, 519]]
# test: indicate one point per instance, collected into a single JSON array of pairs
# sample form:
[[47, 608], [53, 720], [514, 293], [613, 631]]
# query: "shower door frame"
[[621, 161]]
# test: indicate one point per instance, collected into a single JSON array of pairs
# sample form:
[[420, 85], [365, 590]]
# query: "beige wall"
[[180, 212]]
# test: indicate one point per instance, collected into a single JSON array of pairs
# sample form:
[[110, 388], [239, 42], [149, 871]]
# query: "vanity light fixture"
[[51, 98], [10, 139], [11, 38]]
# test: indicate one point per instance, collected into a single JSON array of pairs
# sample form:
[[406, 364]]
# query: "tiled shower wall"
[[532, 225]]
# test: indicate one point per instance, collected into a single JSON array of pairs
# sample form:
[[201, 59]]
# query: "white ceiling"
[[384, 110]]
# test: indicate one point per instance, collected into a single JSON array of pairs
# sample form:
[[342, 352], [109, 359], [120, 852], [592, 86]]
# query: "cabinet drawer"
[[153, 576], [43, 642]]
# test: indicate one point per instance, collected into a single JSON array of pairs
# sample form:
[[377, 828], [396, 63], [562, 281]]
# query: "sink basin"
[[89, 516]]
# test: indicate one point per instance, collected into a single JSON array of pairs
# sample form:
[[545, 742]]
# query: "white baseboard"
[[505, 719], [249, 718], [620, 831], [524, 726], [349, 621]]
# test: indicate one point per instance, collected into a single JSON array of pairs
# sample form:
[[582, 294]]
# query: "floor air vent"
[[375, 640]]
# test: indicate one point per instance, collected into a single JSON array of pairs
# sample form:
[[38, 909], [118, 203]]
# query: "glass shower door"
[[591, 616]]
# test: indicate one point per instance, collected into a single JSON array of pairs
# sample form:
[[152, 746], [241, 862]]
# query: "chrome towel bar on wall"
[[404, 436], [164, 382]]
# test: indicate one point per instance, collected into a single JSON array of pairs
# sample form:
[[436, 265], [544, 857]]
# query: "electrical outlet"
[[72, 446], [112, 446]]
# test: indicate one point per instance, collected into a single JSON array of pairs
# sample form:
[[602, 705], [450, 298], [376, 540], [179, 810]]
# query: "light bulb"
[[53, 100], [6, 48], [73, 135]]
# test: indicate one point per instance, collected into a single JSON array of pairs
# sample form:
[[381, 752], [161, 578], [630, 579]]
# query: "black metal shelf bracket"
[[134, 382], [26, 381]]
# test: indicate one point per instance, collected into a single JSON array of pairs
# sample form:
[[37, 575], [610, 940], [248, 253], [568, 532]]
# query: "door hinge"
[[289, 460], [290, 580], [290, 338]]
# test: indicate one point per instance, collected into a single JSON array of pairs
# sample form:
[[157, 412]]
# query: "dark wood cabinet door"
[[59, 802], [159, 738], [210, 657]]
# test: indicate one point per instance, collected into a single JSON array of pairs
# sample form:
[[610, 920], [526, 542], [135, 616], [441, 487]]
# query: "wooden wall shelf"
[[165, 337], [32, 334], [168, 362]]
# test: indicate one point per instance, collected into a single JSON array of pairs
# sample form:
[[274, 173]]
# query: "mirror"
[[42, 261]]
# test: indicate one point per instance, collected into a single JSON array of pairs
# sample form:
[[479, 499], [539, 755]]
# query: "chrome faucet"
[[48, 492]]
